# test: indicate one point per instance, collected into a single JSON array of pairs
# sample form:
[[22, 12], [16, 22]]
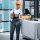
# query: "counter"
[[30, 28]]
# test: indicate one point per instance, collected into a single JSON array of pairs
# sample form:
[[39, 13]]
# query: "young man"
[[15, 23]]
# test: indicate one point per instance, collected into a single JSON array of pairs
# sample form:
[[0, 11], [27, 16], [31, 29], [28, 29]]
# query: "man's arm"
[[20, 16], [11, 14]]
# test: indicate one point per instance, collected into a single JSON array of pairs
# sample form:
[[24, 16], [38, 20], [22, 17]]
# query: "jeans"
[[15, 24]]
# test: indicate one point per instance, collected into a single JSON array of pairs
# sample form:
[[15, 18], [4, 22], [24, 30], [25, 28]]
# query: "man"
[[15, 23]]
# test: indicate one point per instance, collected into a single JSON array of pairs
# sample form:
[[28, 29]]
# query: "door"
[[5, 7]]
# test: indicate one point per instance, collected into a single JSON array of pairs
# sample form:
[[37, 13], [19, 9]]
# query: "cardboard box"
[[27, 17]]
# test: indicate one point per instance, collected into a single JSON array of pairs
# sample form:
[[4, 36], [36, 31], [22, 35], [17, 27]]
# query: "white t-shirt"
[[16, 12]]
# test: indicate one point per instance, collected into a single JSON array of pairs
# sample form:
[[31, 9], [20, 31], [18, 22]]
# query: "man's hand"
[[11, 16], [20, 17]]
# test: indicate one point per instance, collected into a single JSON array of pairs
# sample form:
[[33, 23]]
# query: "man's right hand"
[[11, 16]]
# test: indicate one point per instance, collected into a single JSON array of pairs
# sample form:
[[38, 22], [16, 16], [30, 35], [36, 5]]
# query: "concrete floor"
[[6, 36]]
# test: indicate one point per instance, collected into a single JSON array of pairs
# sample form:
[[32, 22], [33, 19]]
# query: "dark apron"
[[15, 24]]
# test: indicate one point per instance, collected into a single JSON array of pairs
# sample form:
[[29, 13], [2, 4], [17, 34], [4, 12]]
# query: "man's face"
[[18, 6]]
